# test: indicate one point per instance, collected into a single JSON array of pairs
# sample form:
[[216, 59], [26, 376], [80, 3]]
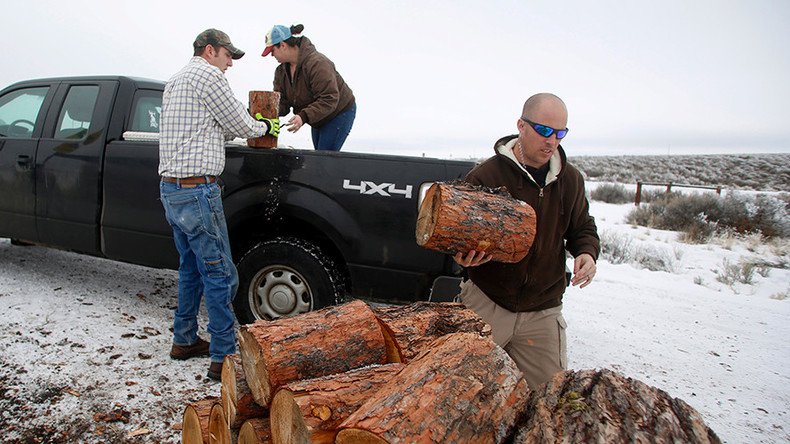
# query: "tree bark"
[[195, 425], [332, 340], [462, 388], [255, 431], [238, 404], [267, 103], [218, 430], [461, 217], [605, 407], [311, 410], [408, 329]]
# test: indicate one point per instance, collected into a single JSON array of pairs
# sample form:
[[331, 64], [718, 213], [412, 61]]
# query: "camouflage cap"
[[217, 38]]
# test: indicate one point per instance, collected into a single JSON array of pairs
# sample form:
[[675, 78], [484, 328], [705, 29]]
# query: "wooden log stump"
[[462, 388], [218, 430], [461, 217], [331, 340], [408, 329], [311, 410], [238, 403], [605, 407], [195, 423], [255, 431], [267, 103]]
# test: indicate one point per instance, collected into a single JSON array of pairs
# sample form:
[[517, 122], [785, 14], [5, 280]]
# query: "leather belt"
[[195, 180]]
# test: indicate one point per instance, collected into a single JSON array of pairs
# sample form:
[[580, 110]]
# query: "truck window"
[[19, 112], [146, 112], [75, 116]]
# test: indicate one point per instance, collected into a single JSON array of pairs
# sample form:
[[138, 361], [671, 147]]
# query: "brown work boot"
[[182, 352], [215, 371]]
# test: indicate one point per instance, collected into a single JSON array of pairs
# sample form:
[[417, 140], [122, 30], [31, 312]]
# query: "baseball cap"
[[217, 38], [275, 36]]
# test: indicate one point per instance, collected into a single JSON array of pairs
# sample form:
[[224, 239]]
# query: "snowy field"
[[84, 341]]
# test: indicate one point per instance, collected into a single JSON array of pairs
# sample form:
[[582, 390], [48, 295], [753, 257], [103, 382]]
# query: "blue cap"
[[277, 35]]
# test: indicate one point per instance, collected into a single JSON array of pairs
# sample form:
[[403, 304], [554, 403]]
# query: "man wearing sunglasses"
[[523, 301]]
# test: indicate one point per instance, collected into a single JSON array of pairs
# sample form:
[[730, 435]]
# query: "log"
[[195, 424], [605, 407], [408, 329], [311, 410], [238, 404], [462, 388], [255, 431], [461, 217], [267, 103], [218, 430], [319, 343]]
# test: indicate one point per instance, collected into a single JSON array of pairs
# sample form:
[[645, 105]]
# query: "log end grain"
[[228, 387], [191, 432], [255, 431], [195, 423], [254, 365], [218, 430], [287, 423]]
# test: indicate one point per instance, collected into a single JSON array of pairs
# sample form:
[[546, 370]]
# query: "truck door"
[[68, 163], [22, 112]]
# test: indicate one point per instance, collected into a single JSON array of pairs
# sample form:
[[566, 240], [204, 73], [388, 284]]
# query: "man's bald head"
[[535, 102]]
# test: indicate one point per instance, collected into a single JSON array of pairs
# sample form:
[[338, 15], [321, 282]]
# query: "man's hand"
[[472, 259], [272, 124], [583, 270]]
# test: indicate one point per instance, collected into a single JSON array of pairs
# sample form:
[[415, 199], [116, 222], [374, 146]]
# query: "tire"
[[285, 276]]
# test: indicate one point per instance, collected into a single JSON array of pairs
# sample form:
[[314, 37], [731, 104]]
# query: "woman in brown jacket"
[[310, 85]]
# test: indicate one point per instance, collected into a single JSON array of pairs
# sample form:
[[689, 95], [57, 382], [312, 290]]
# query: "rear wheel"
[[285, 276]]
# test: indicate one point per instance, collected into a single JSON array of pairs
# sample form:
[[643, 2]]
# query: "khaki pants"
[[535, 340]]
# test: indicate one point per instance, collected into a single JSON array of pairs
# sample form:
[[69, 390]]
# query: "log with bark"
[[267, 103], [331, 340], [605, 407], [462, 388], [408, 329], [311, 410], [458, 217], [238, 404], [195, 423], [255, 431]]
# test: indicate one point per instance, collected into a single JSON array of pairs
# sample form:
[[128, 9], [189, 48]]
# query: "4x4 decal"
[[383, 189]]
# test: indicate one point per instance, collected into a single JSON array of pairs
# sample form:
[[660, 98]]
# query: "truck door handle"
[[23, 160]]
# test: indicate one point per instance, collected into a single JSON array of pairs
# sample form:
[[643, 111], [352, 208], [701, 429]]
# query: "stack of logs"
[[425, 372]]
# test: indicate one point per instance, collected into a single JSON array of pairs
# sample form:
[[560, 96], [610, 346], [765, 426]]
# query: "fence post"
[[638, 197], [669, 187]]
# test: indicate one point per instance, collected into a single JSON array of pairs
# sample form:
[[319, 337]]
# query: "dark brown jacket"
[[317, 93], [563, 222]]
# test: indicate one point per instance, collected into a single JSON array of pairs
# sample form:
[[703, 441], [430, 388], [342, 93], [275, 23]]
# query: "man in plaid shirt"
[[200, 112]]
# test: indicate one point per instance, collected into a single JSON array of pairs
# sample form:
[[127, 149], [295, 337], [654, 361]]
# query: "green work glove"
[[273, 124]]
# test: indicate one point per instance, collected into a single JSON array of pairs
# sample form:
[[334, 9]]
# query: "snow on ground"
[[84, 341]]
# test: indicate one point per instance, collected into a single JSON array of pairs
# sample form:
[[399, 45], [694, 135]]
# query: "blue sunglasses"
[[546, 131]]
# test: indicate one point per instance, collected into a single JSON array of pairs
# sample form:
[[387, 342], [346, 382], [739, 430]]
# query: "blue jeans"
[[205, 267], [332, 135]]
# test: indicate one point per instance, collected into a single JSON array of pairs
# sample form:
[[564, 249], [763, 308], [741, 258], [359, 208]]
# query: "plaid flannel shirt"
[[199, 112]]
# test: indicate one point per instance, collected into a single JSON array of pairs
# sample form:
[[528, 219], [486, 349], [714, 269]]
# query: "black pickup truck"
[[78, 171]]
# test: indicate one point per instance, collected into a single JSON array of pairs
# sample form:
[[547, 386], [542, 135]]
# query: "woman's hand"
[[295, 123]]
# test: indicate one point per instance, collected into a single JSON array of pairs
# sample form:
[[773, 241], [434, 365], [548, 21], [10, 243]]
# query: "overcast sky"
[[448, 78]]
